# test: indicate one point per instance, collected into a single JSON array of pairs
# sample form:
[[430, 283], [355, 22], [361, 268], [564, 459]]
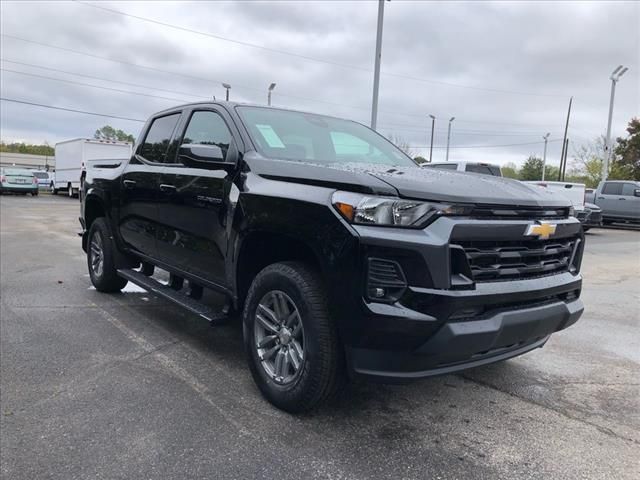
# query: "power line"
[[485, 146], [4, 99], [211, 80], [306, 57], [183, 75], [485, 133], [101, 79], [84, 112], [93, 86]]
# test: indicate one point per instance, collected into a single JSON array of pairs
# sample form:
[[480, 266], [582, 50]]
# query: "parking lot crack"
[[604, 430]]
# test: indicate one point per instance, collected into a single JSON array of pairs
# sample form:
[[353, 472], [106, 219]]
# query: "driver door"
[[192, 233]]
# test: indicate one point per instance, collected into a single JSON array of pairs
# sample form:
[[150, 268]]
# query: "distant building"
[[24, 160]]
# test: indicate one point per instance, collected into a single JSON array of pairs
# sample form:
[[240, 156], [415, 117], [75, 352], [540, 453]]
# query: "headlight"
[[390, 211]]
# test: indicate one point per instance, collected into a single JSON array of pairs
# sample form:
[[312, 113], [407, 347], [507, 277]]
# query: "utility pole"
[[564, 140], [376, 71], [271, 87], [544, 155], [433, 126], [614, 77], [227, 87], [566, 153], [449, 136]]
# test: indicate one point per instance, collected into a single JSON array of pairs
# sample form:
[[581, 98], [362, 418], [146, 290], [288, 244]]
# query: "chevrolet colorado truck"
[[341, 255]]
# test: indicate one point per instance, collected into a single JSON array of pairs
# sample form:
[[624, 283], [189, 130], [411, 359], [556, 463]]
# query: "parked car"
[[470, 167], [342, 255], [18, 180], [618, 199], [72, 156], [43, 177], [590, 216]]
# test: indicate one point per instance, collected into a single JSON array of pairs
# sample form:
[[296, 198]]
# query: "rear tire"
[[307, 337], [100, 258]]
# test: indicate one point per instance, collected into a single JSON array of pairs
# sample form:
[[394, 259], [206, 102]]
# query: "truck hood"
[[408, 182]]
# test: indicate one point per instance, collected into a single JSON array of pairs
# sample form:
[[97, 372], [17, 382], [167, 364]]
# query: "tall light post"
[[615, 76], [376, 71], [433, 126], [271, 87], [544, 155], [449, 136], [227, 87]]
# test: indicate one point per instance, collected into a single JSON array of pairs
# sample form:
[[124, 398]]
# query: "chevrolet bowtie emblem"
[[543, 230]]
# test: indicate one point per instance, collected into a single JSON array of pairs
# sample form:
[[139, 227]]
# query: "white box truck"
[[73, 155]]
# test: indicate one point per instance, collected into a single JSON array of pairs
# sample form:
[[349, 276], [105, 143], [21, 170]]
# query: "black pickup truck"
[[341, 255]]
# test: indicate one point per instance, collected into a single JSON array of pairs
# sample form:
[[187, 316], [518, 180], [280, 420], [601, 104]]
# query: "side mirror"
[[636, 192], [210, 157]]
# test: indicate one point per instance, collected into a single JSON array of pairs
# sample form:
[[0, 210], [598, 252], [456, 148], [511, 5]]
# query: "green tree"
[[532, 169], [626, 164], [28, 148], [420, 159], [510, 170], [109, 133]]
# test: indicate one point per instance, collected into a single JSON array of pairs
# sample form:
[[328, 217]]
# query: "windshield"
[[307, 137]]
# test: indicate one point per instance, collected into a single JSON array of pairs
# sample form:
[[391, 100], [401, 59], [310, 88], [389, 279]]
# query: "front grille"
[[595, 217], [519, 213], [509, 260]]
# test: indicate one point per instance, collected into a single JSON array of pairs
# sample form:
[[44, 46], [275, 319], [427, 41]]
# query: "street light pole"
[[544, 155], [227, 87], [615, 76], [449, 136], [376, 71], [433, 126], [271, 87]]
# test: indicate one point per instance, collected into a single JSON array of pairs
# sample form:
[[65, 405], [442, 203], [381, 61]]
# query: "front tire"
[[291, 341], [100, 258]]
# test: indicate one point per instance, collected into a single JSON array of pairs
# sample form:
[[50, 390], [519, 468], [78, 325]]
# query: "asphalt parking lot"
[[128, 386]]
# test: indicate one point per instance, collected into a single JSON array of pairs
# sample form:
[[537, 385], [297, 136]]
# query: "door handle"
[[129, 183], [600, 198], [167, 188], [622, 198]]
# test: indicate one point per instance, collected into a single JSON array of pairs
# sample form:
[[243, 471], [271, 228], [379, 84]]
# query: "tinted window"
[[307, 137], [157, 141], [483, 169], [449, 166], [612, 189], [208, 128], [628, 189]]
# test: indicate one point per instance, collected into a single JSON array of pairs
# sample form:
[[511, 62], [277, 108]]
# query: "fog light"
[[379, 292]]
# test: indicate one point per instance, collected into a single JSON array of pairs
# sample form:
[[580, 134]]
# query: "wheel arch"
[[259, 249]]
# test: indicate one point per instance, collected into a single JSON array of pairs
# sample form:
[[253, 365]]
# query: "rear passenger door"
[[192, 234], [139, 215]]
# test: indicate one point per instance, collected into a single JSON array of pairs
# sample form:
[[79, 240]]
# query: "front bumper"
[[441, 325], [465, 344]]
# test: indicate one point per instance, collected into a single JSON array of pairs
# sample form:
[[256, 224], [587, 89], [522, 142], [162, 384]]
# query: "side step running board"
[[172, 295]]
